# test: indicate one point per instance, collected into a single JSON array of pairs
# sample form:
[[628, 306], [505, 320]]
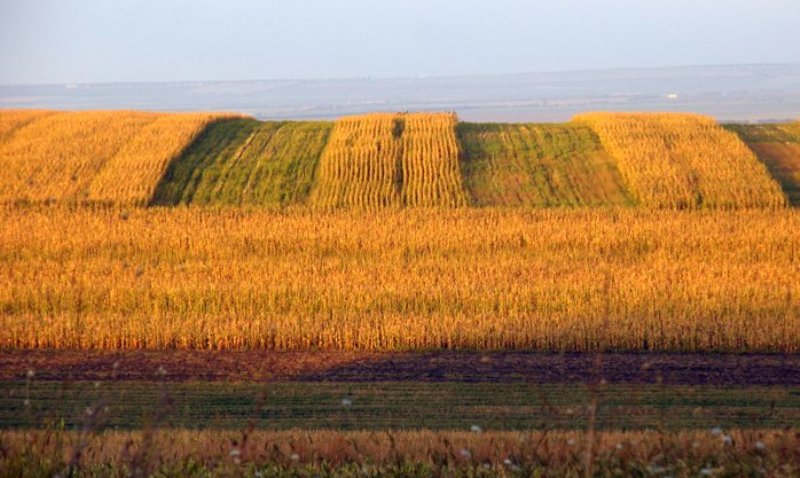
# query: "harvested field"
[[406, 405], [489, 367]]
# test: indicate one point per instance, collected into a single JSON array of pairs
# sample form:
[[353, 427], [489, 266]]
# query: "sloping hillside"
[[391, 159], [129, 158], [242, 161], [777, 146], [113, 157], [684, 161], [539, 165]]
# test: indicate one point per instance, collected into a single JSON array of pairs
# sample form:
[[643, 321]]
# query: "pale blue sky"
[[65, 41]]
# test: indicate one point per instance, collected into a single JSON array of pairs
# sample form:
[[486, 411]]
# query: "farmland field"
[[778, 146], [397, 293], [400, 280], [539, 165], [683, 161], [91, 157], [245, 162], [391, 160]]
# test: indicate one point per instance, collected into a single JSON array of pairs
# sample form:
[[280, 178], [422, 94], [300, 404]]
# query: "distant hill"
[[729, 93]]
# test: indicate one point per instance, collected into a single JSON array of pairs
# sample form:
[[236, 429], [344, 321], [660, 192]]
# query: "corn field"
[[684, 161], [132, 174], [430, 161], [399, 280], [390, 160], [359, 164], [12, 120], [539, 165], [96, 156]]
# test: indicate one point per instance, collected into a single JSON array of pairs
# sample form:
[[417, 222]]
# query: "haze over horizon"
[[70, 41]]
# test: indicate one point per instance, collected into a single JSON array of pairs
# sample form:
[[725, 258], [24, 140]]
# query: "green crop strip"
[[538, 165], [247, 162]]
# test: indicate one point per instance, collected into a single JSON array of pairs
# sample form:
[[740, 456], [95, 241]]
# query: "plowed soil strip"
[[392, 405], [500, 367]]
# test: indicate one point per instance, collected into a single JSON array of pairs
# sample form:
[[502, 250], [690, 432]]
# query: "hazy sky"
[[65, 41]]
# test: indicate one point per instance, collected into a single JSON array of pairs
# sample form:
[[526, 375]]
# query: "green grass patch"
[[246, 162], [539, 165], [393, 405], [778, 147], [767, 133]]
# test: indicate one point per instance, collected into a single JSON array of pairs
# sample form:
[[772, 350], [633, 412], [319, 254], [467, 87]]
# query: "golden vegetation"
[[330, 453], [12, 120], [390, 160], [430, 164], [408, 279], [132, 174], [58, 156], [94, 156], [359, 164], [681, 161]]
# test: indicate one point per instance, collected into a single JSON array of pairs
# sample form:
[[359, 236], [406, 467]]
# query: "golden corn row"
[[430, 161], [57, 157], [386, 159], [132, 174], [400, 279], [682, 161], [358, 165], [95, 156], [12, 120]]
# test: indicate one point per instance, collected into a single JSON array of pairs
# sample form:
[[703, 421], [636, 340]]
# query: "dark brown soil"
[[686, 369]]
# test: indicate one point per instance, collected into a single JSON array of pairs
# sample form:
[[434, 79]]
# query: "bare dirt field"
[[469, 367]]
